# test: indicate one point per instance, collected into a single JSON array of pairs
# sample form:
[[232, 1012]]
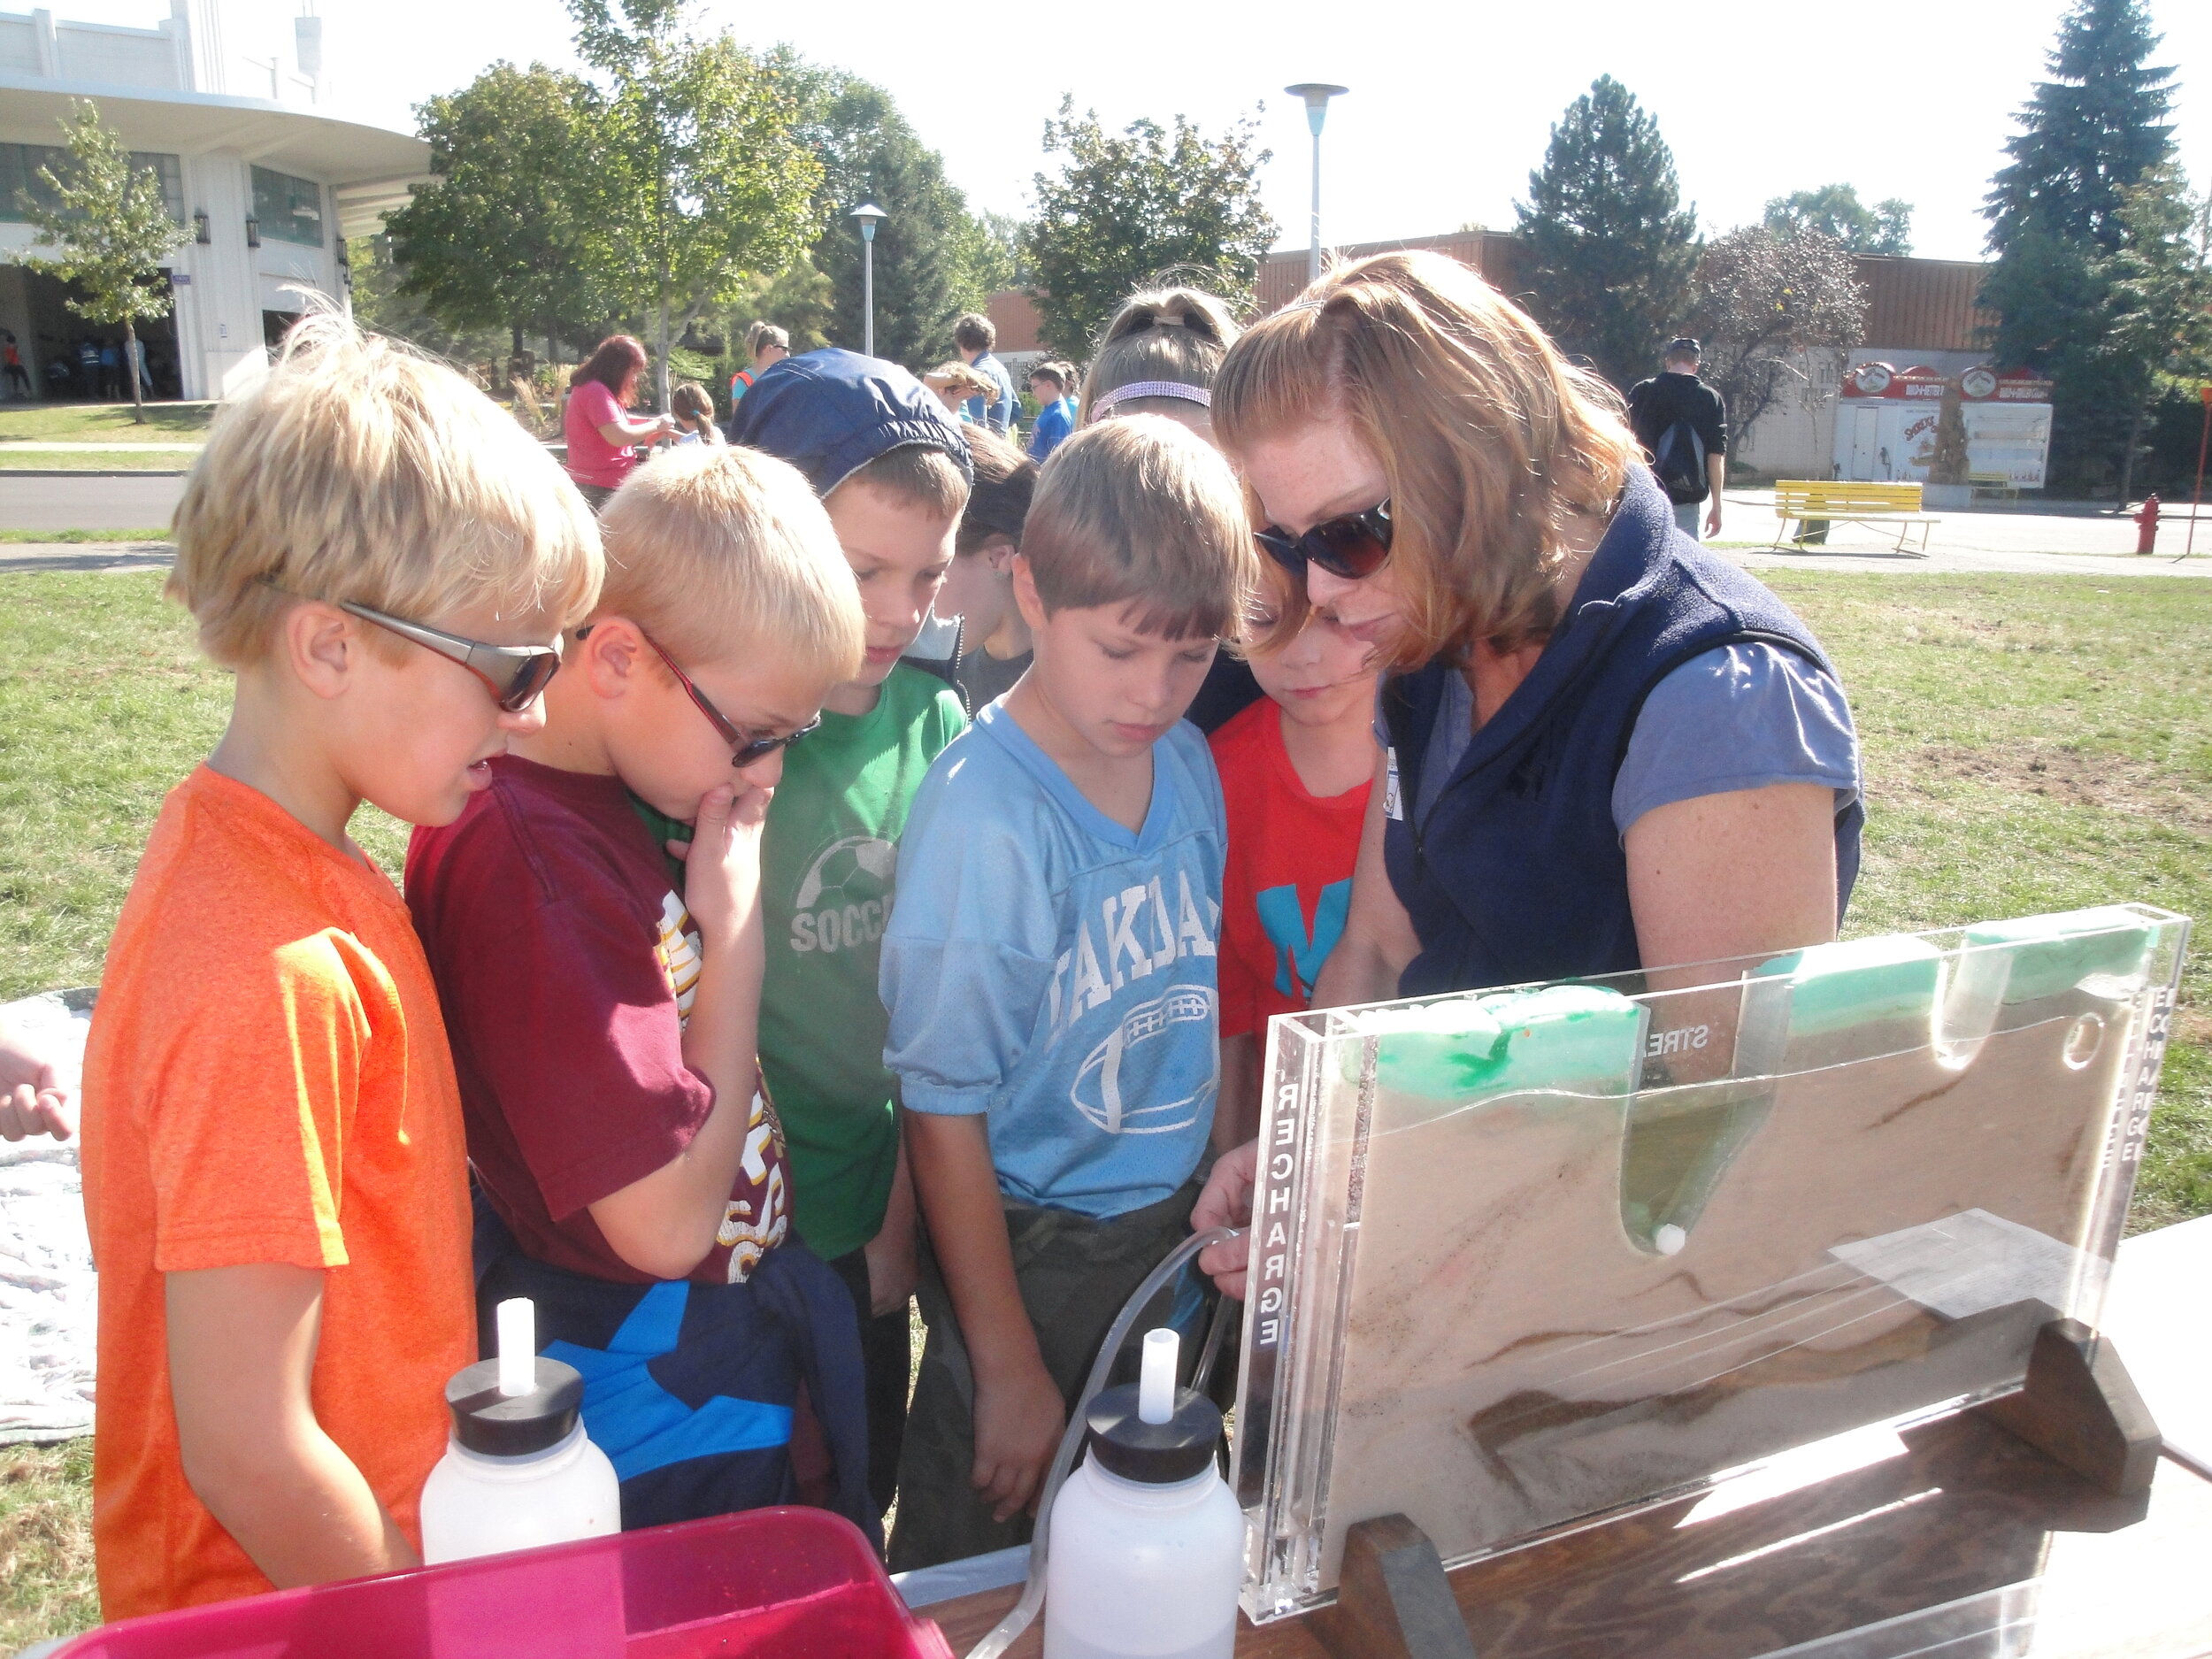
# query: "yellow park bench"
[[1809, 502], [1995, 484]]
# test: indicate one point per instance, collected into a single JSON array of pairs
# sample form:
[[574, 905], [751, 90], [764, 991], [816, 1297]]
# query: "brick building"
[[1919, 312]]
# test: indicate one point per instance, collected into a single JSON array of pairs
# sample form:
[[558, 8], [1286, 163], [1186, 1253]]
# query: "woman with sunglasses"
[[1600, 746]]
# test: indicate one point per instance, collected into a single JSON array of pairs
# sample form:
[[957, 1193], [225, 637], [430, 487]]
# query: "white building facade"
[[266, 183]]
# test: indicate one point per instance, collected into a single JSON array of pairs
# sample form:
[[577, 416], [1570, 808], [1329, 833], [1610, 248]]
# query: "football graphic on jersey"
[[1117, 1090]]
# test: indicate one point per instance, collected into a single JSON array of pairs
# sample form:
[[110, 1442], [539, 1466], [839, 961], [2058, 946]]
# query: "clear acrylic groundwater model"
[[1523, 1258]]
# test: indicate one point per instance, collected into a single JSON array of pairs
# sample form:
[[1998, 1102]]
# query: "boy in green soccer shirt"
[[894, 474]]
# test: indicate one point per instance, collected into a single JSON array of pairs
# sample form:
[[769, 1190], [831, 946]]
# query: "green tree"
[[703, 178], [1611, 249], [2087, 134], [2060, 223], [1761, 301], [111, 225], [1835, 211], [379, 303], [502, 240], [2159, 283], [799, 300], [1129, 209], [998, 259], [924, 249]]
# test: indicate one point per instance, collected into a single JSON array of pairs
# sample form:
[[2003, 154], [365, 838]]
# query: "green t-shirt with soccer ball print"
[[829, 859]]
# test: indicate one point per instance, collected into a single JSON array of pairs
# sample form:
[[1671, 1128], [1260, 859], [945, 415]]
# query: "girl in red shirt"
[[1295, 769]]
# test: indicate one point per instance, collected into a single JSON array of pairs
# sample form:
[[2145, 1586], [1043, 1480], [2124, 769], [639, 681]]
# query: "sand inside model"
[[1569, 1293]]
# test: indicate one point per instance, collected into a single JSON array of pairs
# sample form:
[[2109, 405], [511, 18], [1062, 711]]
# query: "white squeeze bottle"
[[518, 1471], [1147, 1547]]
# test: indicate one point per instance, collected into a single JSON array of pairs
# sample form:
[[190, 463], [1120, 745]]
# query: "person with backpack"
[[1683, 425]]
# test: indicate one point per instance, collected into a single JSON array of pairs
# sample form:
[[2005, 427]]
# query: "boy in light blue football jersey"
[[1049, 971]]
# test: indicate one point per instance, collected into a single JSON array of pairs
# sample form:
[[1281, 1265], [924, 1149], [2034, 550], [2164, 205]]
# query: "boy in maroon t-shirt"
[[1295, 768], [602, 991]]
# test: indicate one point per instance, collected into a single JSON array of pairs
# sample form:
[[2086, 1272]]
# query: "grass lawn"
[[45, 1543], [2031, 744], [104, 423], [79, 538]]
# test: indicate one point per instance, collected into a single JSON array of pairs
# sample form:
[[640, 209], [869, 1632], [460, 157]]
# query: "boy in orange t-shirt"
[[274, 1177]]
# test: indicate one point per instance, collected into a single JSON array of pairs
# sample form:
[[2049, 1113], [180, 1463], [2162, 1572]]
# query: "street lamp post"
[[1317, 96], [870, 216]]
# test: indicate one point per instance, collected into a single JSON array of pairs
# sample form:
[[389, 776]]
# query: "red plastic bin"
[[793, 1583]]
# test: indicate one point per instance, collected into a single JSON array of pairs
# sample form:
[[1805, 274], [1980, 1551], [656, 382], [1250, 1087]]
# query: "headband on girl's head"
[[1149, 389]]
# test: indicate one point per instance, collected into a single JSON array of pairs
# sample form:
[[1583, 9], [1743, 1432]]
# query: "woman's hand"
[[1226, 1201]]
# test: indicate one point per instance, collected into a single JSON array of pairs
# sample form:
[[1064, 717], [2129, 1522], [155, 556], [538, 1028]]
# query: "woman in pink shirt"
[[602, 437]]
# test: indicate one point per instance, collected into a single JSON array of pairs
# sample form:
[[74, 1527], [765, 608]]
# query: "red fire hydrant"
[[2146, 526]]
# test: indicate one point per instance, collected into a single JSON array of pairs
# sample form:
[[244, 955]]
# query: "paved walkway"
[[1977, 540], [14, 446], [88, 500], [86, 556]]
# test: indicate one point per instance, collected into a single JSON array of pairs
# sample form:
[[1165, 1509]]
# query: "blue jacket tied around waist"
[[1515, 873]]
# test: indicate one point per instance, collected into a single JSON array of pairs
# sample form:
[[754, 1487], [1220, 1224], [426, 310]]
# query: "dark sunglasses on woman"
[[516, 674], [746, 750], [1352, 546]]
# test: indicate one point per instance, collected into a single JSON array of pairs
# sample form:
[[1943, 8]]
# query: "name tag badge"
[[1393, 803]]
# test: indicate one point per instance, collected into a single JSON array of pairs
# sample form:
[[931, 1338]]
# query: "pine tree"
[[2087, 134], [924, 248], [1611, 247], [2062, 228]]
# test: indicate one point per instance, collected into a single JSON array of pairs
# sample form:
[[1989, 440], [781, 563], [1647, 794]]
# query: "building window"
[[19, 166], [289, 208]]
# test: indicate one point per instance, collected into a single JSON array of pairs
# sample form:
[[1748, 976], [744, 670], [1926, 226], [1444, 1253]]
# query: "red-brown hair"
[[615, 360], [1492, 441]]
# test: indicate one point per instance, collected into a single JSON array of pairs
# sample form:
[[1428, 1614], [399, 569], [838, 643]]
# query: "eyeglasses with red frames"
[[1352, 546], [746, 749]]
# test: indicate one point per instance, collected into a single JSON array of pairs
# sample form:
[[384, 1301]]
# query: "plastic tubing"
[[1023, 1612]]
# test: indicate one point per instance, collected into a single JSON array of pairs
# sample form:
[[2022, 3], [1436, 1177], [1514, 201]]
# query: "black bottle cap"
[[1159, 1454], [494, 1425]]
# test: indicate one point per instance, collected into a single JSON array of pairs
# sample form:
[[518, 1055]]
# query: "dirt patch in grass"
[[2063, 773]]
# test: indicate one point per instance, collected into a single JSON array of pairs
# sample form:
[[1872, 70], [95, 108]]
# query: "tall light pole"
[[870, 216], [1317, 96]]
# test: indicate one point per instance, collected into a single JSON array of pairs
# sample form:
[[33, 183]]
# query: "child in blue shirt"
[[1049, 971], [1048, 384]]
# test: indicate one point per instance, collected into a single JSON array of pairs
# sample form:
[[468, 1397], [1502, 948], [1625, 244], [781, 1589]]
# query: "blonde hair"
[[1143, 511], [360, 471], [1177, 334], [723, 554], [1490, 440]]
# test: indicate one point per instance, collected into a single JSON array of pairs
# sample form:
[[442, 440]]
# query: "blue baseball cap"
[[830, 412]]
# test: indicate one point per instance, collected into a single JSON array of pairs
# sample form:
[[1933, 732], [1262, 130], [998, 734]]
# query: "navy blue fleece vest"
[[1517, 873]]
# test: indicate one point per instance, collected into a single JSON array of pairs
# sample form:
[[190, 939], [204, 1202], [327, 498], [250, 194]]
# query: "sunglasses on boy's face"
[[1354, 546], [516, 674], [746, 750]]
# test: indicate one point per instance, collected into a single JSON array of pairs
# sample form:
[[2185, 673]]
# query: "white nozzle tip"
[[517, 1346], [1155, 1386], [1669, 1239]]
